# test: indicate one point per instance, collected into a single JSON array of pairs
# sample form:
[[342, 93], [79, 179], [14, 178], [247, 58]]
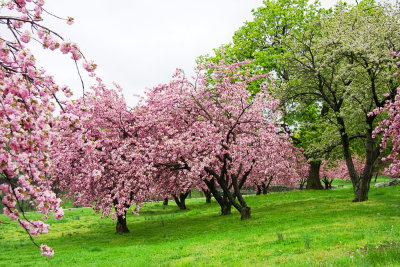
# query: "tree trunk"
[[180, 202], [258, 190], [355, 179], [362, 189], [302, 183], [313, 180], [245, 213], [165, 201], [121, 220], [242, 206], [182, 198], [207, 194], [266, 187], [361, 194], [223, 180], [325, 180], [222, 201], [121, 224], [226, 209], [208, 198]]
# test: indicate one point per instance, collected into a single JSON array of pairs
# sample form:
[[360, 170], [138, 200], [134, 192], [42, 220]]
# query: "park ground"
[[294, 228]]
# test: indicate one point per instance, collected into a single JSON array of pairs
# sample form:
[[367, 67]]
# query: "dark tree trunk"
[[361, 193], [121, 220], [245, 213], [229, 197], [362, 189], [258, 190], [222, 201], [355, 179], [207, 194], [325, 181], [208, 198], [302, 183], [242, 206], [180, 202], [182, 197], [121, 224], [165, 201], [265, 187], [226, 209], [360, 183], [313, 180]]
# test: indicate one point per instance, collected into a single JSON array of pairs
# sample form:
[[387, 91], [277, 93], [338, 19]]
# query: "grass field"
[[297, 228]]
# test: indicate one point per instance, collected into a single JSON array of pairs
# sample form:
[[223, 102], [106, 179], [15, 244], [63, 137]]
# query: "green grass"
[[297, 228]]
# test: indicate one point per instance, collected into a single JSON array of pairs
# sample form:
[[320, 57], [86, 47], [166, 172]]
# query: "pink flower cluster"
[[46, 251], [391, 131], [338, 169], [27, 97]]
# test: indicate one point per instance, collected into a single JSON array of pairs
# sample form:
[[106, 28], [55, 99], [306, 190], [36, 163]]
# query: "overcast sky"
[[139, 44]]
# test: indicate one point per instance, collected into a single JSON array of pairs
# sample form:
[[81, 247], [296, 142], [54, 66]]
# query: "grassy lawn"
[[301, 228]]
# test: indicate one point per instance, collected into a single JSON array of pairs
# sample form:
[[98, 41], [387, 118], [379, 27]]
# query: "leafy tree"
[[344, 62], [333, 70]]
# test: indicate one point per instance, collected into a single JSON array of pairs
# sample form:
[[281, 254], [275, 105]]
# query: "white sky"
[[139, 44]]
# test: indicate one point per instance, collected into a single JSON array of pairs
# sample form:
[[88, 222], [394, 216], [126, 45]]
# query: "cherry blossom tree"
[[96, 155], [27, 108], [175, 183], [391, 131], [333, 170], [283, 164], [337, 169], [216, 130]]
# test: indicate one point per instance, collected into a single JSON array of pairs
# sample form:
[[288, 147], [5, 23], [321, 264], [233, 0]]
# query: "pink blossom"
[[75, 52], [65, 47], [12, 213], [41, 33], [59, 214], [17, 24], [21, 3], [70, 21], [46, 251], [9, 201], [89, 66], [10, 5]]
